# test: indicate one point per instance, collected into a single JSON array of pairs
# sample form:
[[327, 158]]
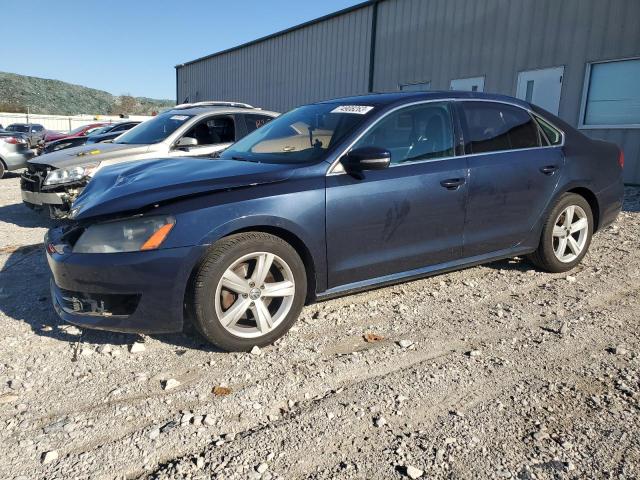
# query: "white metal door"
[[541, 87], [475, 84]]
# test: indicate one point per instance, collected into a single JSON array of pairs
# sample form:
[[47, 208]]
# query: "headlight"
[[131, 235], [67, 175]]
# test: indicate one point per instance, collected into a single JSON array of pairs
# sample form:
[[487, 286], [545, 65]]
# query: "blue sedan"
[[330, 198]]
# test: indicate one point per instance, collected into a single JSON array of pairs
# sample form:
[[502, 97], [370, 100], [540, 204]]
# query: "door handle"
[[452, 183], [549, 169]]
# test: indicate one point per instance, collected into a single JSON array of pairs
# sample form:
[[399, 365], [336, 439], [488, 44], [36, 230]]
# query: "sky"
[[132, 46]]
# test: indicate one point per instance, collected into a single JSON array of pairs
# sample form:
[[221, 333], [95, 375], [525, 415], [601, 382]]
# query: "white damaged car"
[[54, 180]]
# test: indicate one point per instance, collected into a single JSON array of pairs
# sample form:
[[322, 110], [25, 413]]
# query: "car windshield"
[[99, 131], [302, 135], [18, 128], [154, 130]]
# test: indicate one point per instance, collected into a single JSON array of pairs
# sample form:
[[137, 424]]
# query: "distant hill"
[[61, 98]]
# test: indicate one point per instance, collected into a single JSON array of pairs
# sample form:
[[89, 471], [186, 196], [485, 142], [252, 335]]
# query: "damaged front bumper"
[[136, 292], [57, 198]]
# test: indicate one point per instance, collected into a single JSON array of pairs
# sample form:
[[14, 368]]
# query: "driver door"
[[213, 134], [406, 217]]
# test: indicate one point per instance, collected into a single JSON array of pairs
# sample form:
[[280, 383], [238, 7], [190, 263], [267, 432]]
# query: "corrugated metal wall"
[[321, 61], [430, 40], [441, 40]]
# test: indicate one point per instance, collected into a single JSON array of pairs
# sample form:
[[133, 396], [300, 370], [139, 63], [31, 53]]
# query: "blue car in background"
[[330, 198]]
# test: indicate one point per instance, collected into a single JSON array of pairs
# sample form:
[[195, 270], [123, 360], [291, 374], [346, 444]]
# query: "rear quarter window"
[[552, 135]]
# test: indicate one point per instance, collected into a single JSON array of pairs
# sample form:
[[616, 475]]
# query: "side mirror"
[[366, 158], [186, 142]]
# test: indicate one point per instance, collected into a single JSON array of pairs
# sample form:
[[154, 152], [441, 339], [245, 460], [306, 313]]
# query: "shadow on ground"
[[22, 216], [25, 296]]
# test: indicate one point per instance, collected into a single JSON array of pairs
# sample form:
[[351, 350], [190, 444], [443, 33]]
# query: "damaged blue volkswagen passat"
[[330, 198]]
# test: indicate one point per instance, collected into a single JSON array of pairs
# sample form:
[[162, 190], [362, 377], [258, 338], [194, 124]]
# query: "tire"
[[237, 257], [549, 254], [2, 169]]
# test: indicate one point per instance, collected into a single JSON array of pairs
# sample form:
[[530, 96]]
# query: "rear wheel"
[[566, 235], [248, 291], [2, 169]]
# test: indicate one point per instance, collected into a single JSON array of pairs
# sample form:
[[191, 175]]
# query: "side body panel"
[[394, 220], [508, 193]]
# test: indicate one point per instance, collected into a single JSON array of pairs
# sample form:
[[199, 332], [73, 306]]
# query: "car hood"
[[134, 185], [91, 153]]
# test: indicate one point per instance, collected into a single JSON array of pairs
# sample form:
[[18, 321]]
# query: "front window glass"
[[301, 135], [154, 130], [213, 130], [420, 132]]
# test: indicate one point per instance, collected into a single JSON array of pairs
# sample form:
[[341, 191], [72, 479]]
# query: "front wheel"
[[248, 291], [566, 235]]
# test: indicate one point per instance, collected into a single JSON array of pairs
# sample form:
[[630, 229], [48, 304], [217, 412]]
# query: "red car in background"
[[76, 132]]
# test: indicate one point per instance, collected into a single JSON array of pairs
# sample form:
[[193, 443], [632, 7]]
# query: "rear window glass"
[[254, 122], [497, 126]]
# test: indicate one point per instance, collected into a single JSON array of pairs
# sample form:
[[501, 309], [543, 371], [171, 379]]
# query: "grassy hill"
[[60, 98]]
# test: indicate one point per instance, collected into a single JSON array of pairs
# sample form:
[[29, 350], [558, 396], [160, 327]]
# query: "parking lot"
[[498, 371]]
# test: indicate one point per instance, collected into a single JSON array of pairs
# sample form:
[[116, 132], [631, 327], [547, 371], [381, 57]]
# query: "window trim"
[[585, 95], [336, 167]]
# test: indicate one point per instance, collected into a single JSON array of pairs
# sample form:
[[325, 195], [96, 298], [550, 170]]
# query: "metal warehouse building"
[[577, 58]]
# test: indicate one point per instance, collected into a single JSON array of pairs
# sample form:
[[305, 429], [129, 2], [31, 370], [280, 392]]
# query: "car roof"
[[384, 99], [202, 109]]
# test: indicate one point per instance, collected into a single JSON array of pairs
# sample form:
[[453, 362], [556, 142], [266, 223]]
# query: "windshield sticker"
[[357, 109], [179, 118]]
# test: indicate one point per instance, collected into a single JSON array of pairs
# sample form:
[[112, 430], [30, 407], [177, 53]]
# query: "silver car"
[[14, 152], [55, 179]]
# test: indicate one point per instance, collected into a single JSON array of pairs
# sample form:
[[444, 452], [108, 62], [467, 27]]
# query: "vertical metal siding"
[[441, 40], [430, 40], [320, 61]]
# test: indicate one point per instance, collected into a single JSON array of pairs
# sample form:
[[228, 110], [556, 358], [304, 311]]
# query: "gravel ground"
[[498, 371]]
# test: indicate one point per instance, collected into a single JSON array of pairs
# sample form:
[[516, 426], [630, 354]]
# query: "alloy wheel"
[[254, 295], [570, 233]]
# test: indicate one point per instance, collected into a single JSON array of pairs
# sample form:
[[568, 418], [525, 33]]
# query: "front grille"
[[106, 305], [31, 180]]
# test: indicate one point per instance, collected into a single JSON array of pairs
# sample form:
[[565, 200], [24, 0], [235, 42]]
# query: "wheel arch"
[[298, 245], [286, 234], [592, 200]]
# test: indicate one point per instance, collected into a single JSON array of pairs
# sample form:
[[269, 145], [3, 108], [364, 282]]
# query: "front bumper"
[[136, 292], [42, 198], [58, 197]]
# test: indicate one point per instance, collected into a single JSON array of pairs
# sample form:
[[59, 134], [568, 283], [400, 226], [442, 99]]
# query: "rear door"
[[408, 216], [513, 175]]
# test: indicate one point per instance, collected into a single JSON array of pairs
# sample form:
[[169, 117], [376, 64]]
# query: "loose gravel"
[[499, 371]]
